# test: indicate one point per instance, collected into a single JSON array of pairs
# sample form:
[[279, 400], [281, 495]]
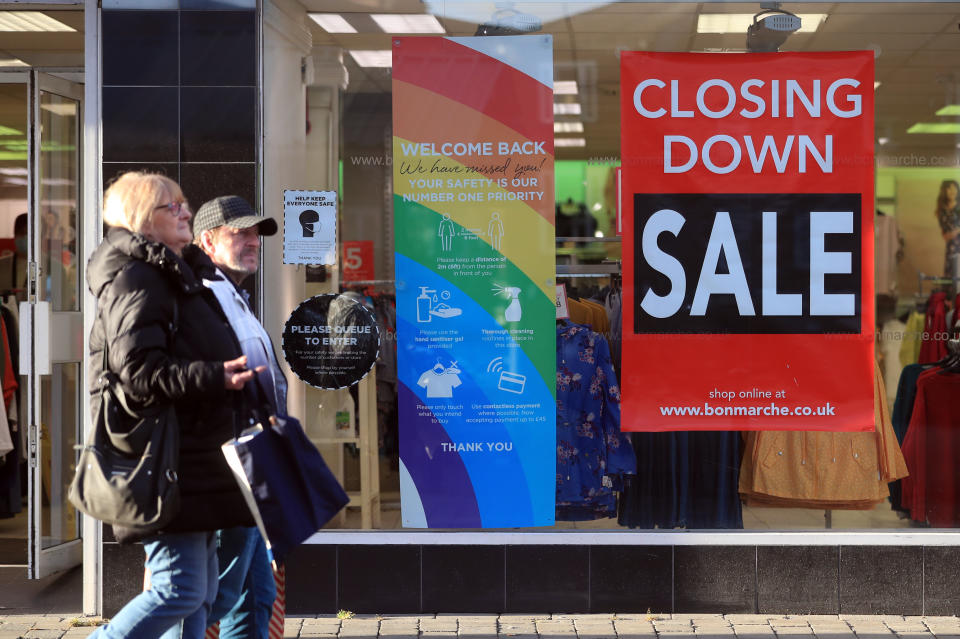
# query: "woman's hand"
[[236, 374]]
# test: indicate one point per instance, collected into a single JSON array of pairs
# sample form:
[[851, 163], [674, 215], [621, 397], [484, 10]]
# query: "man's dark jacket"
[[136, 282]]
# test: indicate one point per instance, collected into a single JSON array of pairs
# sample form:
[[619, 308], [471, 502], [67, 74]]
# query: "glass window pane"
[[689, 479], [213, 5], [59, 422], [59, 202], [13, 182], [140, 4]]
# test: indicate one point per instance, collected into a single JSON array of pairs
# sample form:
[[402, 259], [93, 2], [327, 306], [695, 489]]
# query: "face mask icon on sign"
[[309, 222]]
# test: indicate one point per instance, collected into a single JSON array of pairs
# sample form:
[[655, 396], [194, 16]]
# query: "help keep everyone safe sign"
[[309, 227], [748, 241]]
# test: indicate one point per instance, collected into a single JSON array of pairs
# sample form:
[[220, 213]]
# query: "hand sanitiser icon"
[[430, 306], [514, 312], [424, 304]]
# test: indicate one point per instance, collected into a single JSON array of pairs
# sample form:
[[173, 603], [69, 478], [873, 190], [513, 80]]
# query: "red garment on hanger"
[[934, 345], [9, 378], [956, 316], [931, 447]]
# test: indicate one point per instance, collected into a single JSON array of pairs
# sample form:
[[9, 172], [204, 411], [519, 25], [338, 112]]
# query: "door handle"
[[37, 314]]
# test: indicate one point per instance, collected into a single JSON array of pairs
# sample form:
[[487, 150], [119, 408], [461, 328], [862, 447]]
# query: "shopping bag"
[[289, 488], [127, 470], [126, 473]]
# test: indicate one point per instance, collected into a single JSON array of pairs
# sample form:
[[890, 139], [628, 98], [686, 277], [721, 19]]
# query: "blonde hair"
[[134, 196]]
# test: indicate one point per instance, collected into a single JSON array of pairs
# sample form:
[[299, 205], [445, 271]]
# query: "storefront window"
[[694, 480]]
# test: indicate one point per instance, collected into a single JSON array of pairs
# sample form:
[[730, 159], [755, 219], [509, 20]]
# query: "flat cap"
[[232, 211]]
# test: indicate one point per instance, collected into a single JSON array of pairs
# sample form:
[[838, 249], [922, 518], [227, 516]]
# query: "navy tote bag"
[[289, 488]]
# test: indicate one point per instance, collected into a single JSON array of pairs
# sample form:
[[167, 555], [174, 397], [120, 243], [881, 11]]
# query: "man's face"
[[235, 251]]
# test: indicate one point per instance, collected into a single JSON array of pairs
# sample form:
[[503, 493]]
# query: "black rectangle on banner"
[[747, 263]]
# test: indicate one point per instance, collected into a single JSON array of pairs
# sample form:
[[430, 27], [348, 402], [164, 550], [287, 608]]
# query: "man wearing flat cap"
[[228, 230]]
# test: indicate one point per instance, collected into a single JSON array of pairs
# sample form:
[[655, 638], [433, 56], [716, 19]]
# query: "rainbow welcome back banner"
[[474, 240]]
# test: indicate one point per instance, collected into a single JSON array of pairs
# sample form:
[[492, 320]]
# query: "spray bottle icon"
[[514, 312]]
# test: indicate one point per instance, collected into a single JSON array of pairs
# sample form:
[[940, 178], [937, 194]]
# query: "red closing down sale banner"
[[747, 200]]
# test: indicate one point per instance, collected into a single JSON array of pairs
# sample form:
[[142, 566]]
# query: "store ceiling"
[[917, 46], [13, 121], [61, 50], [47, 49], [19, 50]]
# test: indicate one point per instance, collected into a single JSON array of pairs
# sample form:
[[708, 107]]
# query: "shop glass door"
[[51, 336]]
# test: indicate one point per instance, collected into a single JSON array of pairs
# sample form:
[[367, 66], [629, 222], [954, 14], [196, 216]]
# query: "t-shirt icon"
[[440, 381]]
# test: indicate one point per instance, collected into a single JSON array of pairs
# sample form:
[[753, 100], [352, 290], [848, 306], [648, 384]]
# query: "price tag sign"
[[357, 261], [562, 311]]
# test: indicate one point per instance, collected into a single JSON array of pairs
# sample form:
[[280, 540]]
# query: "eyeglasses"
[[174, 208]]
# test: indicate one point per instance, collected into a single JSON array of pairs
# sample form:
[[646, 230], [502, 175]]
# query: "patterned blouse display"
[[592, 453]]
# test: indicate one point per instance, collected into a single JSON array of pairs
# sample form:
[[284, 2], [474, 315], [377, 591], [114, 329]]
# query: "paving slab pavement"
[[541, 626]]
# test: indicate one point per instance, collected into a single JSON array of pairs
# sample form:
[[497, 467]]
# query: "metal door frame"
[[42, 562]]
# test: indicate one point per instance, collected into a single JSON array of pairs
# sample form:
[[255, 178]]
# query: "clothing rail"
[[565, 275], [935, 280], [587, 238], [606, 269], [367, 283], [588, 270]]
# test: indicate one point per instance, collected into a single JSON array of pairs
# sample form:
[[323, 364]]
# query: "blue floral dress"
[[592, 453]]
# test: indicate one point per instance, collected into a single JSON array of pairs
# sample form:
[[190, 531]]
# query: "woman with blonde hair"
[[948, 215], [166, 341]]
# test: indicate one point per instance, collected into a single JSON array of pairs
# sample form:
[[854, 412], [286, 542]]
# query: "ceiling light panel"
[[569, 142], [376, 58], [568, 127], [61, 108], [566, 108], [738, 22], [935, 127], [407, 23], [950, 109], [19, 21], [565, 87], [332, 23]]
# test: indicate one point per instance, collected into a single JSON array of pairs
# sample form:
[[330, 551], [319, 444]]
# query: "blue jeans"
[[246, 592], [183, 586]]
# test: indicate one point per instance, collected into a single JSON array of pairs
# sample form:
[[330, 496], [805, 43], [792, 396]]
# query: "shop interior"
[[52, 40], [917, 147]]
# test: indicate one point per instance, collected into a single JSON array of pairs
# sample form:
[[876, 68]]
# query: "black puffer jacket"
[[136, 282]]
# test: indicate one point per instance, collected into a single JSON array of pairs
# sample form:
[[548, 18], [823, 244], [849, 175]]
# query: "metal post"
[[91, 232]]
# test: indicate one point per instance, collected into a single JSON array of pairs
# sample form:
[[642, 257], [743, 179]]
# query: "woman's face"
[[951, 191], [170, 224]]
